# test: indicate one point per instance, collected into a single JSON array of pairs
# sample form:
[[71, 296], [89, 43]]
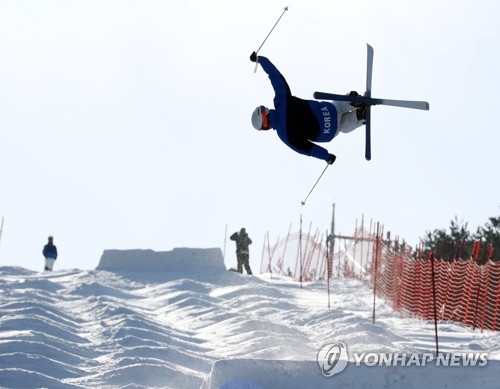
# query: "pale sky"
[[126, 124]]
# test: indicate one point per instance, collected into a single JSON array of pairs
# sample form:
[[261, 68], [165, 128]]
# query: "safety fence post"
[[434, 301], [375, 270]]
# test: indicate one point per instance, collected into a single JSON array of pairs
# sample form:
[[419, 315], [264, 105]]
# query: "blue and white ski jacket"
[[300, 122], [50, 251]]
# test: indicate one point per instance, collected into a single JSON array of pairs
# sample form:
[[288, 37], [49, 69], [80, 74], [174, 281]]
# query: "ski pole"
[[260, 47], [314, 186]]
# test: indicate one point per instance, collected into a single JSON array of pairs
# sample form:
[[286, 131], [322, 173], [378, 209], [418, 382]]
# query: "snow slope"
[[178, 320]]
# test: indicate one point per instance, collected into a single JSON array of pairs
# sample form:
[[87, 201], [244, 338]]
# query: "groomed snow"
[[179, 320]]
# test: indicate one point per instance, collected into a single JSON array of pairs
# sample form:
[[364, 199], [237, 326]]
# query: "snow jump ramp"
[[179, 260]]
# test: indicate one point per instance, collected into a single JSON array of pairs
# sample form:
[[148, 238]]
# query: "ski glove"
[[331, 159], [253, 57]]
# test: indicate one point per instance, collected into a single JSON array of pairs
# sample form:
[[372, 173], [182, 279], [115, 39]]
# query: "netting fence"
[[467, 290]]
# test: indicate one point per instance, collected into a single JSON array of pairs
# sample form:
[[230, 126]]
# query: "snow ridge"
[[168, 326]]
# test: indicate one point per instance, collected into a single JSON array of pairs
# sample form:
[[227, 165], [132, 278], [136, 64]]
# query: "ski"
[[368, 93], [367, 101], [423, 105]]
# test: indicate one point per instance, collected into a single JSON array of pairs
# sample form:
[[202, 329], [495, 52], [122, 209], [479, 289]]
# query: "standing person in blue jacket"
[[50, 254], [300, 122]]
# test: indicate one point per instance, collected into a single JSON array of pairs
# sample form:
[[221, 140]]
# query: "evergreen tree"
[[456, 244], [459, 242], [490, 235]]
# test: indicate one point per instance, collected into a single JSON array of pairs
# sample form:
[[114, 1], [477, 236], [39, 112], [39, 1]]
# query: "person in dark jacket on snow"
[[242, 250], [50, 254], [299, 122]]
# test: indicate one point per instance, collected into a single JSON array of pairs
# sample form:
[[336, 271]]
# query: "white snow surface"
[[178, 319]]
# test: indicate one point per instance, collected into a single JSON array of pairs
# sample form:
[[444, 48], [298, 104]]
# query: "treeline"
[[458, 242]]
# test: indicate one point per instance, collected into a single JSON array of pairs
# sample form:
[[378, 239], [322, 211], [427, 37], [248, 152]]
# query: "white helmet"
[[259, 118]]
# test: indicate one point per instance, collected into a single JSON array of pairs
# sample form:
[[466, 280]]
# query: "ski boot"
[[354, 93], [361, 113]]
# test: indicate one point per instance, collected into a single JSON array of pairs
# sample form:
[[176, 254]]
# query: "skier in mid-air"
[[300, 122]]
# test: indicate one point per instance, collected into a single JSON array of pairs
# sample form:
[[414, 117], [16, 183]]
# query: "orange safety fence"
[[466, 292]]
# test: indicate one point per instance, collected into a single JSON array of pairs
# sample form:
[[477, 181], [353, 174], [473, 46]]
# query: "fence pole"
[[284, 248], [479, 283], [375, 271], [316, 268], [328, 266], [485, 293], [270, 256], [480, 276], [434, 302], [263, 252], [300, 249], [305, 255]]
